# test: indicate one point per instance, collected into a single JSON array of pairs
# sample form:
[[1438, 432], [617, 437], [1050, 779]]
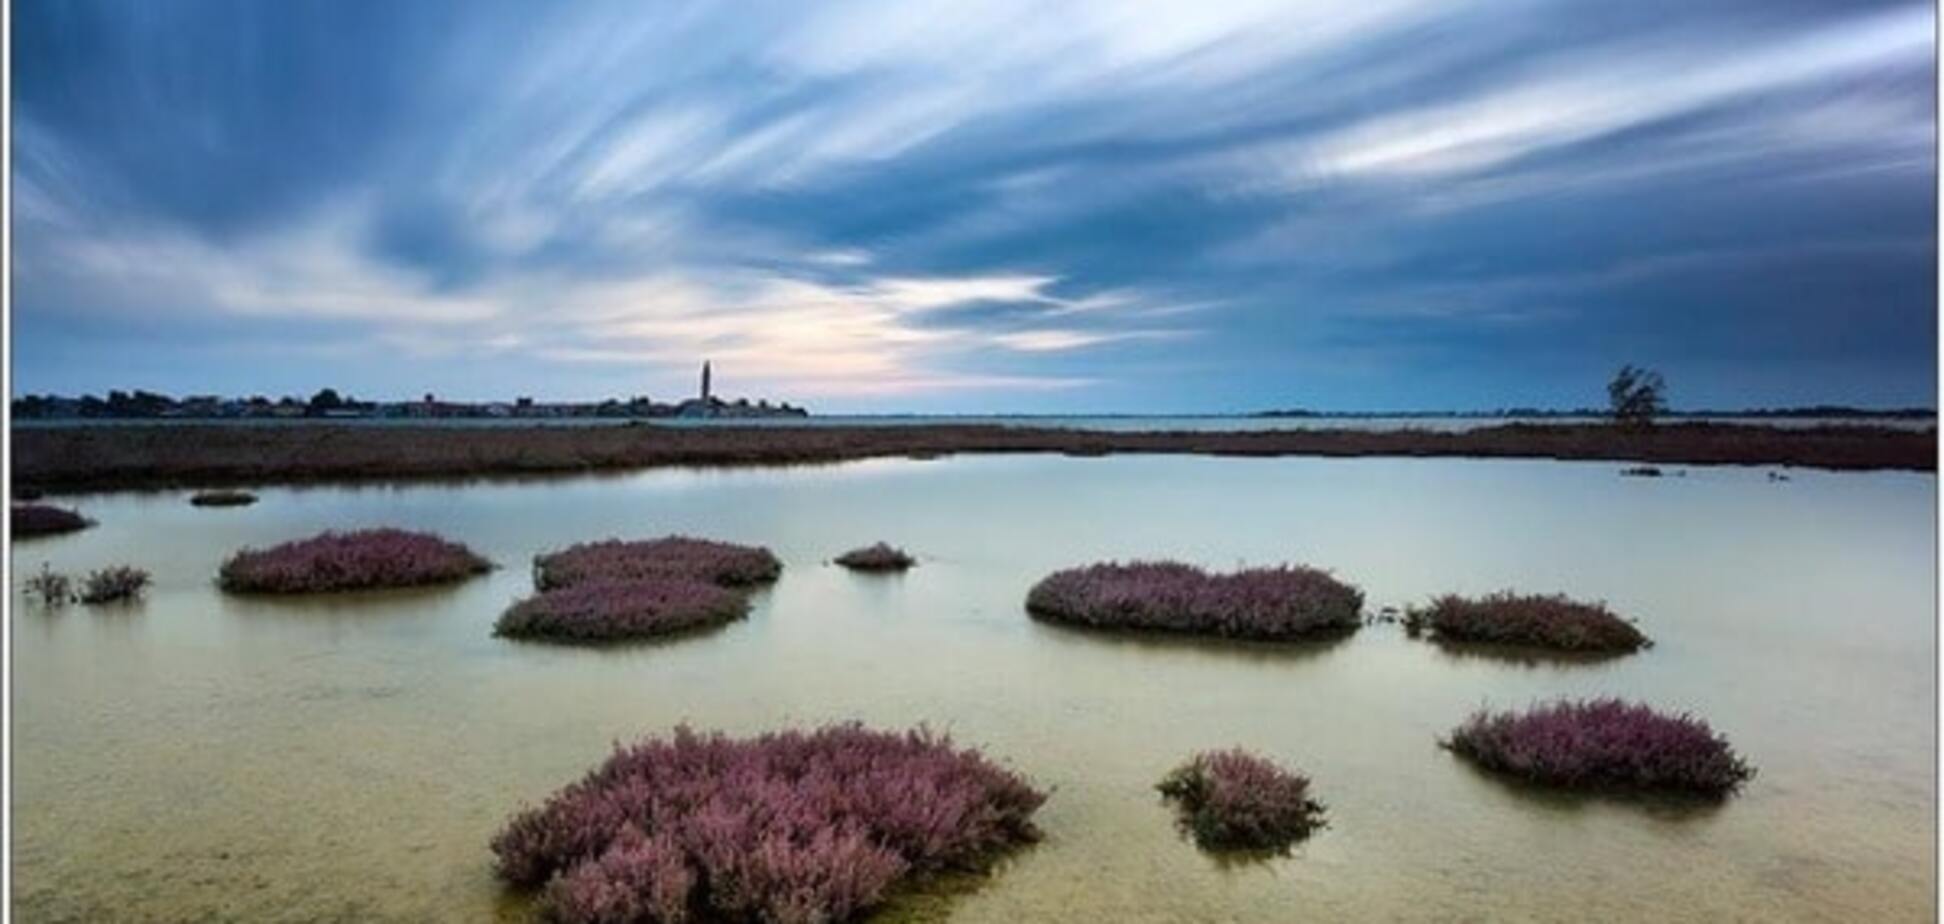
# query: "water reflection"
[[1665, 806], [1164, 645], [1521, 655]]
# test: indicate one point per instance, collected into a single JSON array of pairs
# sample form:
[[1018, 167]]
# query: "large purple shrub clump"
[[786, 827], [359, 560], [1237, 800], [1284, 602], [612, 610], [878, 557], [721, 563], [1602, 744], [1535, 620], [45, 520]]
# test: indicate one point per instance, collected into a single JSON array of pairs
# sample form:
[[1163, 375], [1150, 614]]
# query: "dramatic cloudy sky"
[[962, 206]]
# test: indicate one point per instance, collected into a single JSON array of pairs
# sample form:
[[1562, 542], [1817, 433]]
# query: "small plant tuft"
[[360, 560], [1233, 800], [51, 588], [1281, 603], [878, 557], [1533, 620], [113, 584], [222, 499], [1602, 744], [788, 826]]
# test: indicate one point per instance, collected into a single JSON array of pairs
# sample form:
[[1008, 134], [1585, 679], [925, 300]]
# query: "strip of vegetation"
[[878, 557], [1235, 800], [45, 520], [617, 610], [1281, 603], [149, 455], [611, 560], [1602, 744], [223, 498], [1533, 620], [788, 826], [360, 560]]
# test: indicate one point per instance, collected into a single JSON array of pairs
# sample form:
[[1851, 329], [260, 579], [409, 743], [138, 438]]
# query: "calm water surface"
[[199, 757]]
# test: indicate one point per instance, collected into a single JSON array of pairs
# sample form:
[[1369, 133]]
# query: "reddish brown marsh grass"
[[1531, 620], [599, 611], [1237, 800], [360, 560], [792, 826], [879, 557], [1602, 744], [1280, 603]]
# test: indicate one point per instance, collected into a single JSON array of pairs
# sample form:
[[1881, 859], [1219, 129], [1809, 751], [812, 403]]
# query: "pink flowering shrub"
[[364, 559], [222, 498], [1602, 744], [608, 610], [1535, 620], [1258, 603], [721, 563], [636, 878], [45, 520], [108, 585], [879, 557], [792, 826], [1237, 800]]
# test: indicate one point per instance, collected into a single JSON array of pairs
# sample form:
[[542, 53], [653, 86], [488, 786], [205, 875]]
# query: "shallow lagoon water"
[[204, 757]]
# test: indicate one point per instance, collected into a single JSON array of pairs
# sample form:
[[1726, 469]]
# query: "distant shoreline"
[[796, 415], [127, 456]]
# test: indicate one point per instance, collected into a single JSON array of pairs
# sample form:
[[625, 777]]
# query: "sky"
[[966, 207]]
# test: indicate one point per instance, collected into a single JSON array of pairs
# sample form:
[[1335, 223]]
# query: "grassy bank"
[[136, 456]]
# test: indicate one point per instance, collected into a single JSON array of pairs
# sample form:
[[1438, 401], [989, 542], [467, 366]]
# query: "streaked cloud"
[[963, 204]]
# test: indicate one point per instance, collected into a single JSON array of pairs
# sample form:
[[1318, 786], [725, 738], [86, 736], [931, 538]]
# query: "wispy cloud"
[[1583, 97], [948, 198]]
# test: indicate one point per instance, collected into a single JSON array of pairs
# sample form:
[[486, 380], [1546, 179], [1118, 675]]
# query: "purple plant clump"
[[1237, 800], [1602, 744], [108, 585], [364, 559], [721, 563], [1284, 602], [45, 520], [1543, 621], [879, 557], [222, 498], [785, 827], [604, 610]]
